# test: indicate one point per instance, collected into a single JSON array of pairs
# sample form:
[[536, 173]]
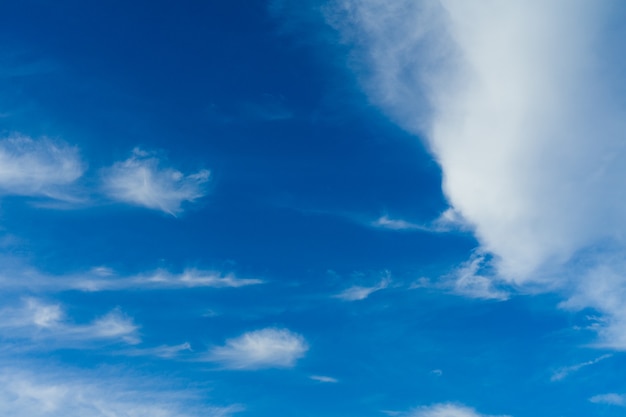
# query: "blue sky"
[[313, 208]]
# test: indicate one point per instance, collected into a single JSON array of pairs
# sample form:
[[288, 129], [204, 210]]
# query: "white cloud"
[[446, 410], [42, 167], [18, 276], [611, 399], [468, 281], [141, 180], [37, 320], [164, 351], [325, 379], [521, 104], [266, 348], [562, 373], [64, 393], [385, 222], [357, 293]]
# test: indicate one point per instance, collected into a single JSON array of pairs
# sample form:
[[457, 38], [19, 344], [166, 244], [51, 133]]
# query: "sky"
[[407, 208]]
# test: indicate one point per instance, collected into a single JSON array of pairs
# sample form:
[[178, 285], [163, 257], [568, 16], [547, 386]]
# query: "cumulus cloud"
[[357, 292], [63, 393], [611, 399], [521, 104], [562, 373], [38, 167], [36, 319], [142, 180], [265, 348]]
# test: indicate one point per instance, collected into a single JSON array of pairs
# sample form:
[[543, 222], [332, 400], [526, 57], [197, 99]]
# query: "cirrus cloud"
[[142, 180]]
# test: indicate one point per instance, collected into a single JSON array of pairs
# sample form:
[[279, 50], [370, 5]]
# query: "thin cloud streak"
[[19, 277], [357, 292], [325, 379], [564, 372]]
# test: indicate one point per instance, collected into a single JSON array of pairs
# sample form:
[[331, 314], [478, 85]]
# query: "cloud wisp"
[[565, 371], [610, 399], [449, 220], [45, 392], [443, 410], [38, 167], [357, 292], [516, 102], [260, 349], [324, 379], [37, 320], [142, 180], [19, 276]]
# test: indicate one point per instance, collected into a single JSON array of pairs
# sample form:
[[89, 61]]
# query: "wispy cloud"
[[164, 351], [385, 222], [449, 220], [325, 379], [38, 167], [265, 348], [565, 371], [356, 293], [610, 399], [467, 280], [142, 180], [445, 410], [20, 276], [516, 103], [44, 392], [36, 319]]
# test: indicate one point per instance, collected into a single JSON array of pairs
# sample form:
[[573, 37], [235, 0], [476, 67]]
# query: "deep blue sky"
[[353, 316]]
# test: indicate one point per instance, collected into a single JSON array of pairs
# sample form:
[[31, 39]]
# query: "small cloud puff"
[[325, 379], [265, 348], [357, 293], [38, 168], [446, 410], [610, 399], [140, 180]]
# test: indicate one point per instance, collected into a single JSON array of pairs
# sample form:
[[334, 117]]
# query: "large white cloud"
[[265, 348], [522, 104], [142, 180], [38, 167]]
